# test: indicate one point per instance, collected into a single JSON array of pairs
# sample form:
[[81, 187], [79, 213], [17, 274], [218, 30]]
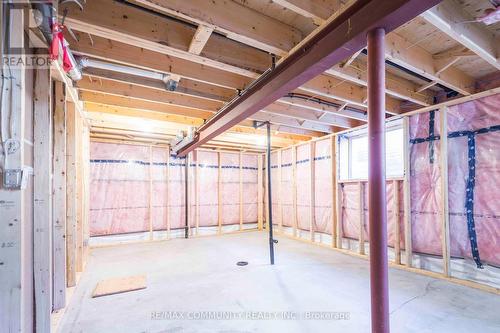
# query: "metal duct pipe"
[[86, 62]]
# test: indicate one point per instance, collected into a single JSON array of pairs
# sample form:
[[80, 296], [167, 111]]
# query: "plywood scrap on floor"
[[119, 285]]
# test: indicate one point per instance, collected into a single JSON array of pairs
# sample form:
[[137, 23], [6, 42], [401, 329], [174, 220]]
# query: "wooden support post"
[[85, 192], [167, 203], [150, 201], [71, 203], [294, 189], [219, 194], [241, 189], [79, 193], [42, 209], [397, 242], [312, 147], [260, 190], [266, 190], [197, 192], [445, 218], [15, 226], [59, 197], [406, 194], [361, 203], [333, 166], [338, 201], [280, 192]]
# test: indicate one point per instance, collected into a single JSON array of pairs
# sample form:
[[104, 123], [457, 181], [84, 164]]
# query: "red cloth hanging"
[[58, 40]]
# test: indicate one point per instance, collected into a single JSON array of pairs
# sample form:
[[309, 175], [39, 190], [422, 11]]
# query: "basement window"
[[353, 153]]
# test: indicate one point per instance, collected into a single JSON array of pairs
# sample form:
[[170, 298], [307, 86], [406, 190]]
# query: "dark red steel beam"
[[337, 40], [379, 283]]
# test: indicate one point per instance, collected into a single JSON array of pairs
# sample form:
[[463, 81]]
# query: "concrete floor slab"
[[199, 277]]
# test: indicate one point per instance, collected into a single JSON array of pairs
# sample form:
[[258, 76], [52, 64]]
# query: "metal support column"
[[376, 183]]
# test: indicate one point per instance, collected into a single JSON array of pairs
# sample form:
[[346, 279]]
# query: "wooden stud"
[[59, 197], [445, 218], [294, 188], [397, 242], [79, 194], [406, 194], [338, 202], [168, 193], [266, 195], [240, 189], [260, 190], [280, 192], [86, 191], [197, 192], [333, 166], [219, 194], [361, 203], [71, 200], [42, 194], [312, 146], [150, 201]]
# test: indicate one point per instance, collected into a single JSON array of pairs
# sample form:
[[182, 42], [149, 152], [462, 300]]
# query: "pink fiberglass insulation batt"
[[120, 189]]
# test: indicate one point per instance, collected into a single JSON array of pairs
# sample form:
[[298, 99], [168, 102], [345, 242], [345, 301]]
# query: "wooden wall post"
[[71, 185], [260, 190], [361, 203], [445, 218], [150, 201], [312, 208], [79, 193], [219, 194], [266, 196], [42, 209], [167, 203], [280, 192], [240, 189], [397, 242], [16, 224], [197, 192], [333, 166], [406, 190], [85, 160], [294, 189], [59, 197]]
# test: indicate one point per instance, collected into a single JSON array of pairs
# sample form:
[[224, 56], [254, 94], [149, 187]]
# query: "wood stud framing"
[[59, 196], [445, 218]]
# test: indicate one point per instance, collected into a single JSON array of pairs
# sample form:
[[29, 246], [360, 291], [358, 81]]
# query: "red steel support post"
[[379, 284]]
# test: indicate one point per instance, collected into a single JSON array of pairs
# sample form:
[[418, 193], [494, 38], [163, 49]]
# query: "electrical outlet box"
[[12, 179]]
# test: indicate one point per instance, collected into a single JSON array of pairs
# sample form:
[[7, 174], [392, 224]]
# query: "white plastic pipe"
[[86, 62]]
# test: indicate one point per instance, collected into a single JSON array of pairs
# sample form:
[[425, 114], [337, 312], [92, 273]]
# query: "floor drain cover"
[[242, 263]]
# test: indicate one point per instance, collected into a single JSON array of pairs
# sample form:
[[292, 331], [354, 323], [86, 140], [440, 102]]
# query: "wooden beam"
[[450, 18], [316, 10], [309, 102], [395, 86], [119, 101], [114, 51], [200, 39], [240, 188], [219, 194], [333, 169], [80, 259], [329, 86], [418, 60], [42, 194], [59, 196], [233, 20], [140, 28]]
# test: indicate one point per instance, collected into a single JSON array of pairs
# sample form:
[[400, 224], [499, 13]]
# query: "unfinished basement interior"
[[250, 166]]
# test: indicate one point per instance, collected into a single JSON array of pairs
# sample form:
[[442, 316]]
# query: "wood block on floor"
[[119, 285]]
